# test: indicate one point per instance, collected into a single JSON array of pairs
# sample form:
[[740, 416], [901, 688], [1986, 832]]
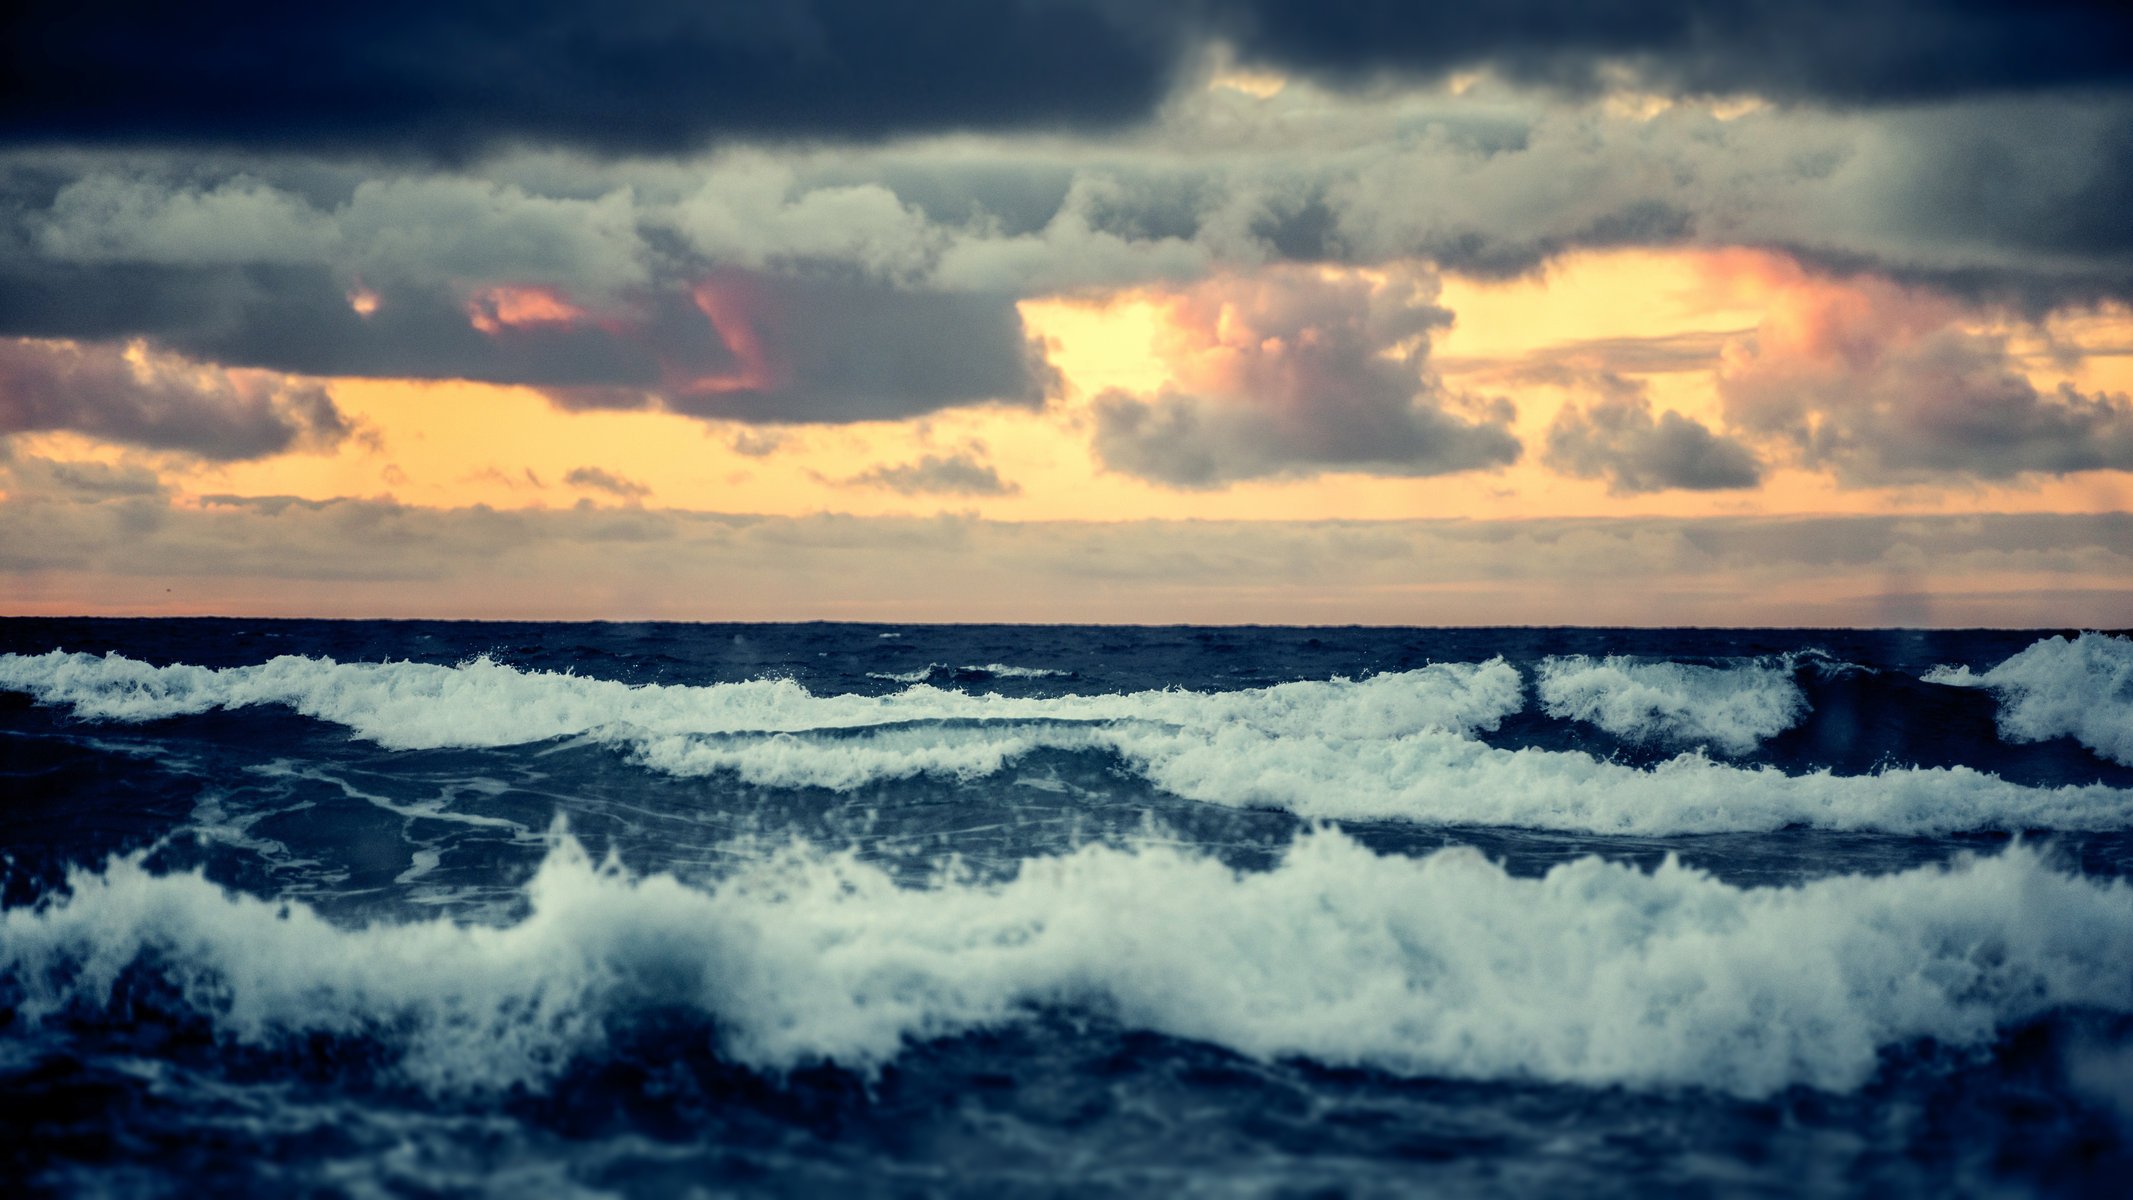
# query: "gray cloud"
[[1296, 374], [958, 474], [598, 480], [772, 349], [146, 399], [1616, 437], [84, 482]]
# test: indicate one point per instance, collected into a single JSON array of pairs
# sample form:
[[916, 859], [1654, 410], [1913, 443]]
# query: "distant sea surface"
[[411, 908]]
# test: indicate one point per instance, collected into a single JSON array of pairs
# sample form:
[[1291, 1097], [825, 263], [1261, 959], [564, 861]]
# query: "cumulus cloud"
[[1616, 437], [132, 395], [1885, 384], [1297, 372], [962, 473]]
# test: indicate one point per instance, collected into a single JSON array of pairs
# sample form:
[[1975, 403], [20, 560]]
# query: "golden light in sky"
[[454, 444]]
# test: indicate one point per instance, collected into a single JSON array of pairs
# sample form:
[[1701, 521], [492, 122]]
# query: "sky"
[[1541, 312]]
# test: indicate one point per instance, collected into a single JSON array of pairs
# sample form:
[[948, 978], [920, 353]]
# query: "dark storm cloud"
[[618, 77], [1838, 51], [660, 75], [158, 402], [1616, 437]]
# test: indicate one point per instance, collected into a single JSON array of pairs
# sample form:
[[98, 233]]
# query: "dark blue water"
[[405, 908]]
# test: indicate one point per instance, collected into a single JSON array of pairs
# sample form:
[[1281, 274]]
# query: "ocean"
[[376, 908]]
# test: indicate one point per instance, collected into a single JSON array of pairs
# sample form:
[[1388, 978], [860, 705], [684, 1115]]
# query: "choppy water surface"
[[378, 908]]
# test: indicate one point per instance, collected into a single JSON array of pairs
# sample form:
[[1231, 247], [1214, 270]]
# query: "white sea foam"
[[996, 670], [1442, 966], [1730, 708], [481, 703], [1390, 747], [2081, 689], [1428, 777]]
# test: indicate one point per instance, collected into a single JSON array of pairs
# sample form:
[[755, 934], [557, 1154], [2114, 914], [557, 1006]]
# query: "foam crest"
[[988, 671], [1448, 966], [1730, 708], [481, 703], [2081, 689], [1429, 777], [1389, 747]]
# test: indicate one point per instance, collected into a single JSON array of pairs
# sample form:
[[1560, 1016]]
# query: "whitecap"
[[1733, 709], [1444, 966], [2081, 689]]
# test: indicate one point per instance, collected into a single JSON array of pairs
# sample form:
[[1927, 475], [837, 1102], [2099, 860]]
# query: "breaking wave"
[[1596, 973], [2081, 689], [942, 672], [1398, 746], [480, 703], [1731, 708]]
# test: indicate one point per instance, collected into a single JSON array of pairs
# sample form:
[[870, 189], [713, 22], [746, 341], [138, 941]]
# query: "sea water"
[[414, 908]]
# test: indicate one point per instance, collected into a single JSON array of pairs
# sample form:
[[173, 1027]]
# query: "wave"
[[480, 703], [2081, 689], [1398, 746], [1731, 708], [1428, 777], [1446, 966], [942, 671]]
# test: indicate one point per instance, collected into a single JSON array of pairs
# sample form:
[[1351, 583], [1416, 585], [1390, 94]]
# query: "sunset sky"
[[1063, 310]]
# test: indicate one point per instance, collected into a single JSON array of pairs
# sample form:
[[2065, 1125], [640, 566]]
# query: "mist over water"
[[410, 908]]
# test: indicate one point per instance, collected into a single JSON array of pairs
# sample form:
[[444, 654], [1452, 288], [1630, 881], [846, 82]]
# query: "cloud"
[[280, 555], [1292, 372], [657, 76], [595, 479], [83, 482], [758, 443], [780, 349], [132, 395], [631, 76], [1830, 51], [958, 474], [1884, 384], [1616, 437]]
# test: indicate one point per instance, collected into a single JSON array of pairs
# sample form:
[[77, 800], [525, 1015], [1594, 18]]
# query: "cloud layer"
[[637, 76], [63, 547]]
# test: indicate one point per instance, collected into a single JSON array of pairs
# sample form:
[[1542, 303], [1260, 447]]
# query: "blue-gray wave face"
[[400, 907]]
